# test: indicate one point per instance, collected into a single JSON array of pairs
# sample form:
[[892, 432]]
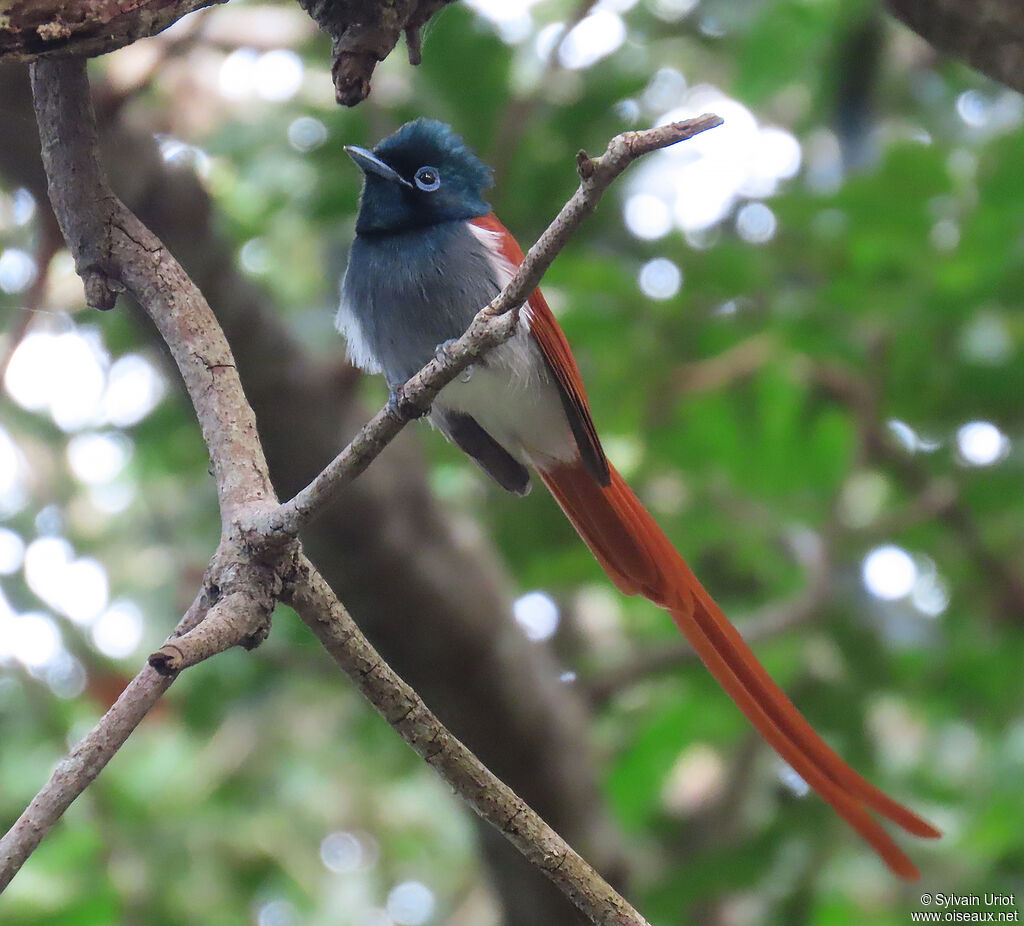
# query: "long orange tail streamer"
[[639, 558]]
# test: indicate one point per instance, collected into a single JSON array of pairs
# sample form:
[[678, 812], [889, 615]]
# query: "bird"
[[428, 254]]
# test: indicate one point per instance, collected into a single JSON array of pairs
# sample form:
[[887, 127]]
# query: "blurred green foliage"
[[751, 411]]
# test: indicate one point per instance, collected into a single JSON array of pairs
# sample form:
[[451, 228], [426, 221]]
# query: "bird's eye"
[[427, 179]]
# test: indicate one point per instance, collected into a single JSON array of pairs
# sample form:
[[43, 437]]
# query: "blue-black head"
[[421, 175]]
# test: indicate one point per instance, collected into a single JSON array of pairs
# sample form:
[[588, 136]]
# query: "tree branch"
[[114, 251], [493, 324], [81, 766], [240, 619], [86, 27], [491, 798], [255, 565], [989, 35]]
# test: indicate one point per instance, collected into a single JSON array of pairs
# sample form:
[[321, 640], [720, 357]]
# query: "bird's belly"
[[513, 397]]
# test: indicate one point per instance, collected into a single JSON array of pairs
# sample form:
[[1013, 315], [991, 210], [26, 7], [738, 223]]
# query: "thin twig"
[[204, 631], [241, 618], [494, 323], [79, 768], [490, 797]]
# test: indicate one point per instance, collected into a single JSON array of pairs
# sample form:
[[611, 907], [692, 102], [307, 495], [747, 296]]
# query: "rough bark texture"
[[362, 32], [493, 800], [508, 705], [35, 28], [987, 34], [113, 252]]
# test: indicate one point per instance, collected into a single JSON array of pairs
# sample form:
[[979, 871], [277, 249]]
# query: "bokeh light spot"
[[341, 852], [981, 443], [593, 38], [23, 206], [411, 903], [75, 587], [889, 572], [64, 373], [17, 270], [756, 223], [12, 551], [511, 18], [277, 912], [117, 632], [66, 676], [33, 639], [134, 388], [537, 614], [664, 91], [672, 10], [306, 133], [930, 595], [278, 75], [660, 279], [986, 340], [647, 216], [696, 779], [237, 76], [944, 235], [12, 470], [97, 458], [792, 779]]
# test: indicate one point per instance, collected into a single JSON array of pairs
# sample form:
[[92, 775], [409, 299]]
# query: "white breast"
[[513, 395], [359, 352]]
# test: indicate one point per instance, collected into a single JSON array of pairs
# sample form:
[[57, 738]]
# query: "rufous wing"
[[555, 348]]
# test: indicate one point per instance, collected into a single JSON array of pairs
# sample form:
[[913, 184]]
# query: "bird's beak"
[[371, 164]]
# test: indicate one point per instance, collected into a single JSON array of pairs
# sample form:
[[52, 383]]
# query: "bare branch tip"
[[352, 73], [101, 291], [167, 660], [414, 45], [258, 635], [585, 166]]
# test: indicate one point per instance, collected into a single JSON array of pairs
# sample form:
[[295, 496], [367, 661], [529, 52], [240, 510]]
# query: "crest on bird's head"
[[421, 175]]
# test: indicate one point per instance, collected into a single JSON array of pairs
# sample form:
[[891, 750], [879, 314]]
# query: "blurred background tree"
[[802, 338]]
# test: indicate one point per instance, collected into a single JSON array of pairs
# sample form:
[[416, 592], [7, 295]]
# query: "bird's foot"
[[443, 354], [443, 350], [400, 406]]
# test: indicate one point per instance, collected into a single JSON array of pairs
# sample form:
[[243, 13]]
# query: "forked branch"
[[258, 561]]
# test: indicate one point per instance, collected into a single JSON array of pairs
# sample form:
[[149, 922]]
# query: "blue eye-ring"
[[427, 179]]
